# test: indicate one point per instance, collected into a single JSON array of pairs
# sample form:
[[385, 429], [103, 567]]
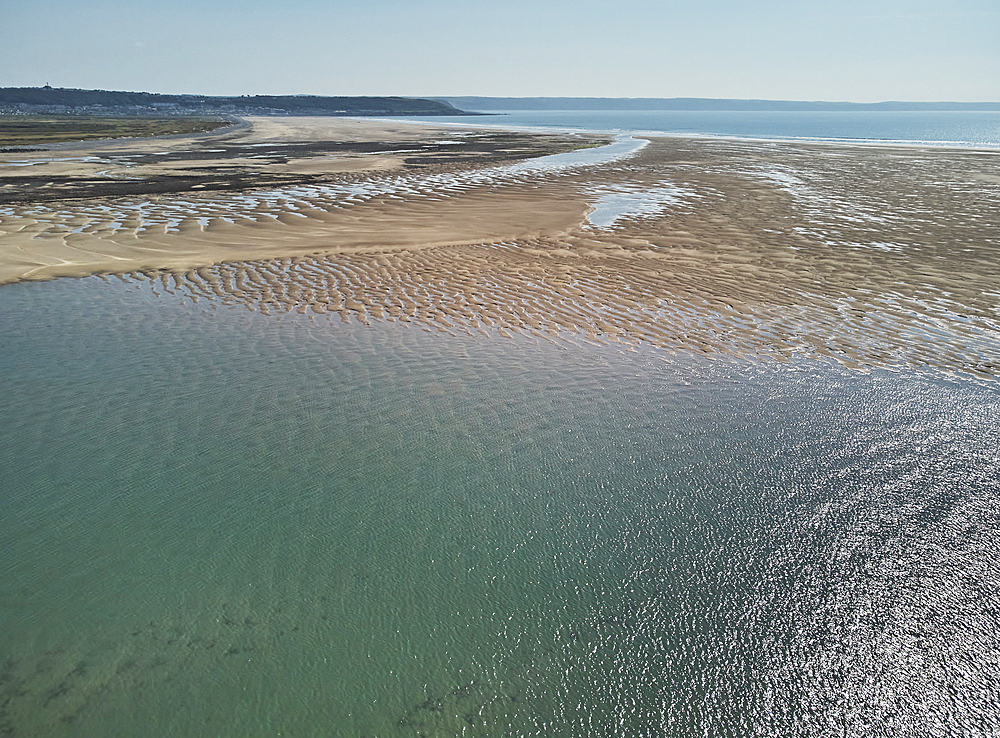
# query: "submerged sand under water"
[[869, 255], [224, 523]]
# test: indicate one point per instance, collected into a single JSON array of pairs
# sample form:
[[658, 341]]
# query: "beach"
[[870, 255]]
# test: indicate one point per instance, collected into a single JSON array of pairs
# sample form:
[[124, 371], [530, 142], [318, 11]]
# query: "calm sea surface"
[[955, 128], [220, 523]]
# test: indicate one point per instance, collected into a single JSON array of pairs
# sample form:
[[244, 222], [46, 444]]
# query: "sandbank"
[[869, 256]]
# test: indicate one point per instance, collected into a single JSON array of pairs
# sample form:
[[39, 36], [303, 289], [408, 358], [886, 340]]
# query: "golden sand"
[[868, 255]]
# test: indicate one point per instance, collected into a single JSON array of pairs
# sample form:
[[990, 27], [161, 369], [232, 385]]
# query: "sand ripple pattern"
[[621, 297], [870, 256], [747, 249], [137, 217]]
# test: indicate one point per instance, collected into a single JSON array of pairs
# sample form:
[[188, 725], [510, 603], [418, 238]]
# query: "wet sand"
[[868, 255]]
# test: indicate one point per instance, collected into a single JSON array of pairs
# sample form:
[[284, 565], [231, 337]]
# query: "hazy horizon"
[[888, 50], [922, 104]]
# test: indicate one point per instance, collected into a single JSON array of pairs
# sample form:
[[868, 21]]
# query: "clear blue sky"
[[773, 49]]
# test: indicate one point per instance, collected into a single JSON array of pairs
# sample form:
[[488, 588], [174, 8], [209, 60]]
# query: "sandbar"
[[870, 256]]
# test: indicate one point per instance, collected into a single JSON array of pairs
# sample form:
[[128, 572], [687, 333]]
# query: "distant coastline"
[[52, 100]]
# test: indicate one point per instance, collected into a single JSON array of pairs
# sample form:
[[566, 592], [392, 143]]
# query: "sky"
[[871, 51]]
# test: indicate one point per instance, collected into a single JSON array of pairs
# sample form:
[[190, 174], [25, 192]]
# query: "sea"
[[216, 522], [965, 128]]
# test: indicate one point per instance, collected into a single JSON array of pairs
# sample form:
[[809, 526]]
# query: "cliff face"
[[58, 100]]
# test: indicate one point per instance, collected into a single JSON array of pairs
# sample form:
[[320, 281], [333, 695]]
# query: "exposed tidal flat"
[[612, 470], [870, 255]]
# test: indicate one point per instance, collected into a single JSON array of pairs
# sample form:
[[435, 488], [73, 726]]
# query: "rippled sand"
[[869, 255]]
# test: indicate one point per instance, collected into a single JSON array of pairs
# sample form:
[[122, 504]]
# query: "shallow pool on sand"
[[217, 522]]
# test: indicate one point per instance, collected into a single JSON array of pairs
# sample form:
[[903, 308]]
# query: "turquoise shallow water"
[[222, 523]]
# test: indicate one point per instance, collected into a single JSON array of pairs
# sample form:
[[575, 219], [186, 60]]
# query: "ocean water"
[[217, 522], [979, 129]]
